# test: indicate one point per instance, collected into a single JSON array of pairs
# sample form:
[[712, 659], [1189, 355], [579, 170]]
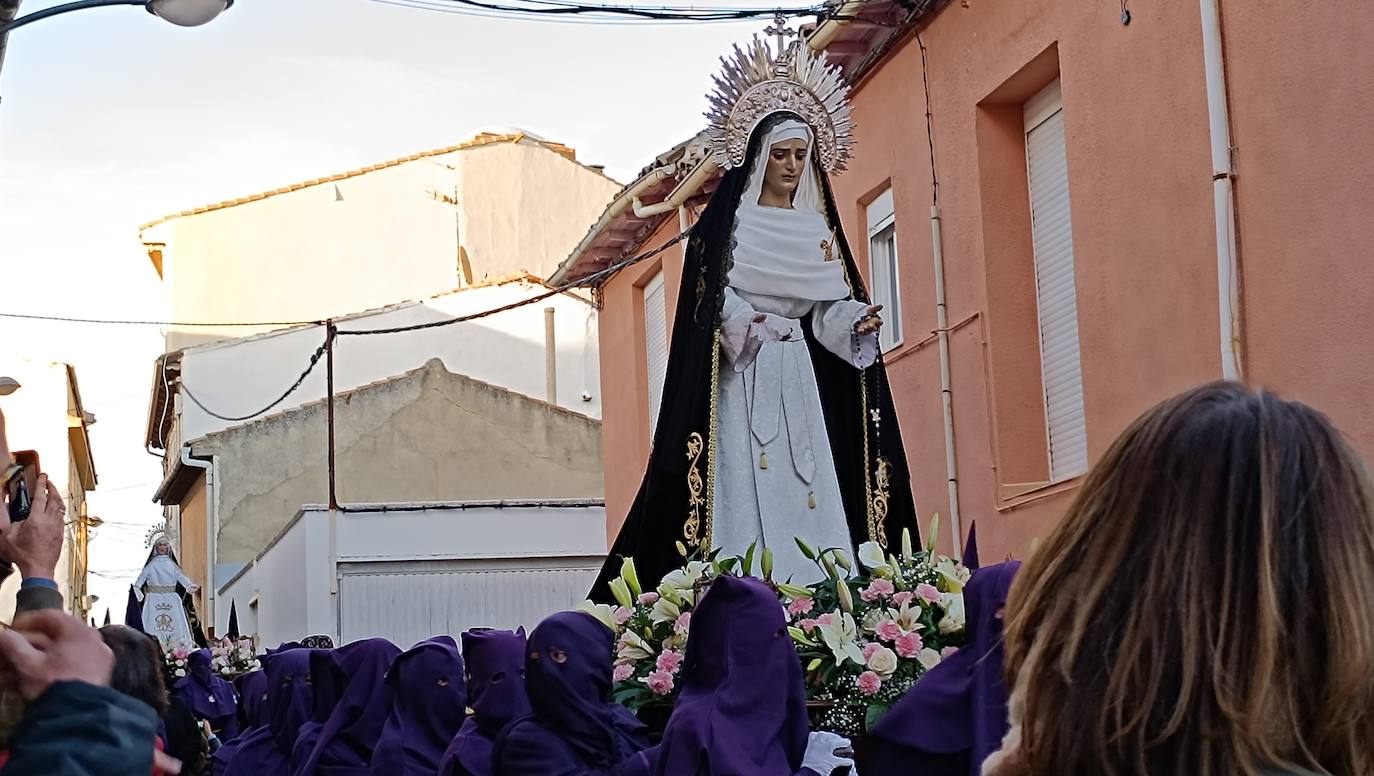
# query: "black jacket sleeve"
[[77, 729]]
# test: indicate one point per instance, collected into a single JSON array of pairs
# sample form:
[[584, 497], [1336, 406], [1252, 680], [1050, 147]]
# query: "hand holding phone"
[[20, 488]]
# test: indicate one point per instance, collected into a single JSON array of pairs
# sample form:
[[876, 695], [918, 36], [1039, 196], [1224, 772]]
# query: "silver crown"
[[754, 85]]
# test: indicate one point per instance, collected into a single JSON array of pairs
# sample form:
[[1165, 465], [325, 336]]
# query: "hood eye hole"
[[498, 677], [558, 656]]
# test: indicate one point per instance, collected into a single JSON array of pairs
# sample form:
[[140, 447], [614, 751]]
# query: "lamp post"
[[183, 13]]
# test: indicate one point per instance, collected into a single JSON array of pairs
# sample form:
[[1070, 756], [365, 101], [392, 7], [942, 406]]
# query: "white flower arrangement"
[[863, 639]]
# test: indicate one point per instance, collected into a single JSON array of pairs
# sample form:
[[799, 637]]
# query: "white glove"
[[820, 753]]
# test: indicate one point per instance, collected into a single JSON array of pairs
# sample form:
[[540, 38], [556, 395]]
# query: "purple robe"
[[209, 697], [956, 715], [267, 750], [742, 709], [574, 728], [496, 692], [252, 691], [326, 686], [428, 698], [349, 735]]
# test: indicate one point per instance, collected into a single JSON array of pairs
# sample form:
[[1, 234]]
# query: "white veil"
[[783, 252]]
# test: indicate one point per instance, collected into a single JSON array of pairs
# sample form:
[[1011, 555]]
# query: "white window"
[[1056, 301], [656, 344], [882, 267]]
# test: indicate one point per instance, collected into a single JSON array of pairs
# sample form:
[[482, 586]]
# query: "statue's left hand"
[[871, 323]]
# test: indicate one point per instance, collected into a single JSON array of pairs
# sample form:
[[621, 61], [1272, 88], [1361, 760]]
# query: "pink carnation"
[[622, 615], [888, 630], [869, 683], [902, 598], [909, 645], [869, 649], [928, 593], [947, 651], [807, 625], [648, 599], [684, 621], [878, 588], [825, 619], [622, 672], [799, 607], [660, 682], [669, 660]]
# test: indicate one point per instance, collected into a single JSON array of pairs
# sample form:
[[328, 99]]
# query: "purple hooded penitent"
[[326, 686], [496, 692], [428, 699], [574, 727], [210, 697], [346, 741], [742, 709], [267, 750], [958, 710]]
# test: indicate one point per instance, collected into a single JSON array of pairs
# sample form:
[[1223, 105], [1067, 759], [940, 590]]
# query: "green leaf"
[[805, 548], [875, 712], [749, 558]]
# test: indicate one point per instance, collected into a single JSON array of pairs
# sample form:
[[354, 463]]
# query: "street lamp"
[[183, 13]]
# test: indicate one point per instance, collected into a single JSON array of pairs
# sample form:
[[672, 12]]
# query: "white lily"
[[684, 578], [665, 611], [871, 556], [953, 574], [953, 604], [841, 637], [633, 648], [907, 618], [602, 612]]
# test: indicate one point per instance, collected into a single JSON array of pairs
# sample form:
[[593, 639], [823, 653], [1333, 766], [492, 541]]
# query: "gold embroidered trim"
[[873, 534], [878, 509], [715, 428], [692, 528]]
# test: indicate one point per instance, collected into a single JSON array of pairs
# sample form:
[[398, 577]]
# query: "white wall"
[[236, 377], [36, 419], [408, 575]]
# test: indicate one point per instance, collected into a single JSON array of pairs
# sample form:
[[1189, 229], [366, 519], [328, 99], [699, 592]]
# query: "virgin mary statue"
[[167, 613], [776, 422]]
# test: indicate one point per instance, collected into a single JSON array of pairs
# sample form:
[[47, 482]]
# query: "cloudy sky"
[[111, 117]]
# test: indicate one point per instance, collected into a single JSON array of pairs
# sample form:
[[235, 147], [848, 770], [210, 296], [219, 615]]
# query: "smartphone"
[[22, 487]]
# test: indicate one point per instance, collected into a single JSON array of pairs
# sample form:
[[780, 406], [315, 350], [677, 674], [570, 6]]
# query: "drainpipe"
[[946, 390], [211, 528], [550, 358], [1223, 190]]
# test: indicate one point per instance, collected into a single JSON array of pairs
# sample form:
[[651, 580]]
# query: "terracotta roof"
[[857, 48], [481, 139]]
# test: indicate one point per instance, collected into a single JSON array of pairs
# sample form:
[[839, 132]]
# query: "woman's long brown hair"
[[1206, 606]]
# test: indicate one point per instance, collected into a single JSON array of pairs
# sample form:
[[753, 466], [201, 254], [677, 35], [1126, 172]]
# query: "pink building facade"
[[1078, 231]]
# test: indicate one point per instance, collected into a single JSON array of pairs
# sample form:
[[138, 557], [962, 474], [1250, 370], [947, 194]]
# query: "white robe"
[[164, 616], [769, 403]]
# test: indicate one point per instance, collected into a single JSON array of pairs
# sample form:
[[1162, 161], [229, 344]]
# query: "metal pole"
[[550, 357], [329, 333]]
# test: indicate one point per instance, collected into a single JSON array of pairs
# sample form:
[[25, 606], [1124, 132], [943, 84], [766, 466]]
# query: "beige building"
[[426, 435], [435, 235], [45, 415], [500, 203]]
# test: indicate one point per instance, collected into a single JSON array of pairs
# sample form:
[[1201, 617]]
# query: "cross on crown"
[[782, 32]]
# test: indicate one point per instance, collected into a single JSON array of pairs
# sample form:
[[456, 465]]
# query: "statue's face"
[[162, 548], [786, 163]]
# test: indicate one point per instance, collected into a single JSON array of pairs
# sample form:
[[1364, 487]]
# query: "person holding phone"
[[33, 542]]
